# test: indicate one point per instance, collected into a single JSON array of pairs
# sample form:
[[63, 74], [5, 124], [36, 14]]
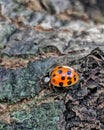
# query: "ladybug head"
[[46, 78]]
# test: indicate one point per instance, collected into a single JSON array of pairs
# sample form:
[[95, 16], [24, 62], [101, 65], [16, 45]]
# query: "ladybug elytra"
[[63, 76]]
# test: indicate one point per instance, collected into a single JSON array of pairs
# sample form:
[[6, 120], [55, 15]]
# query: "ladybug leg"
[[54, 89], [51, 87]]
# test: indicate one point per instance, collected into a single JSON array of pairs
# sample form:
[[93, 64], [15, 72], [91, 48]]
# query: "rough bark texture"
[[35, 37]]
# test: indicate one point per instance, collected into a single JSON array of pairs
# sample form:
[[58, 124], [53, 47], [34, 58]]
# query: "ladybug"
[[63, 77]]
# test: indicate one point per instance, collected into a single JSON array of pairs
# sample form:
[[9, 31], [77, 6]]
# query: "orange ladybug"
[[63, 76]]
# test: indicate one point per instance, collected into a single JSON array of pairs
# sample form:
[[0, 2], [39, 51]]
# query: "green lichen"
[[21, 83], [44, 117]]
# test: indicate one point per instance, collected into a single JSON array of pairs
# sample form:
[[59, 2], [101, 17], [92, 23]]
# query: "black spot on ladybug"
[[61, 84], [69, 72], [74, 78], [69, 82], [63, 77], [59, 71], [53, 80], [68, 78], [54, 75]]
